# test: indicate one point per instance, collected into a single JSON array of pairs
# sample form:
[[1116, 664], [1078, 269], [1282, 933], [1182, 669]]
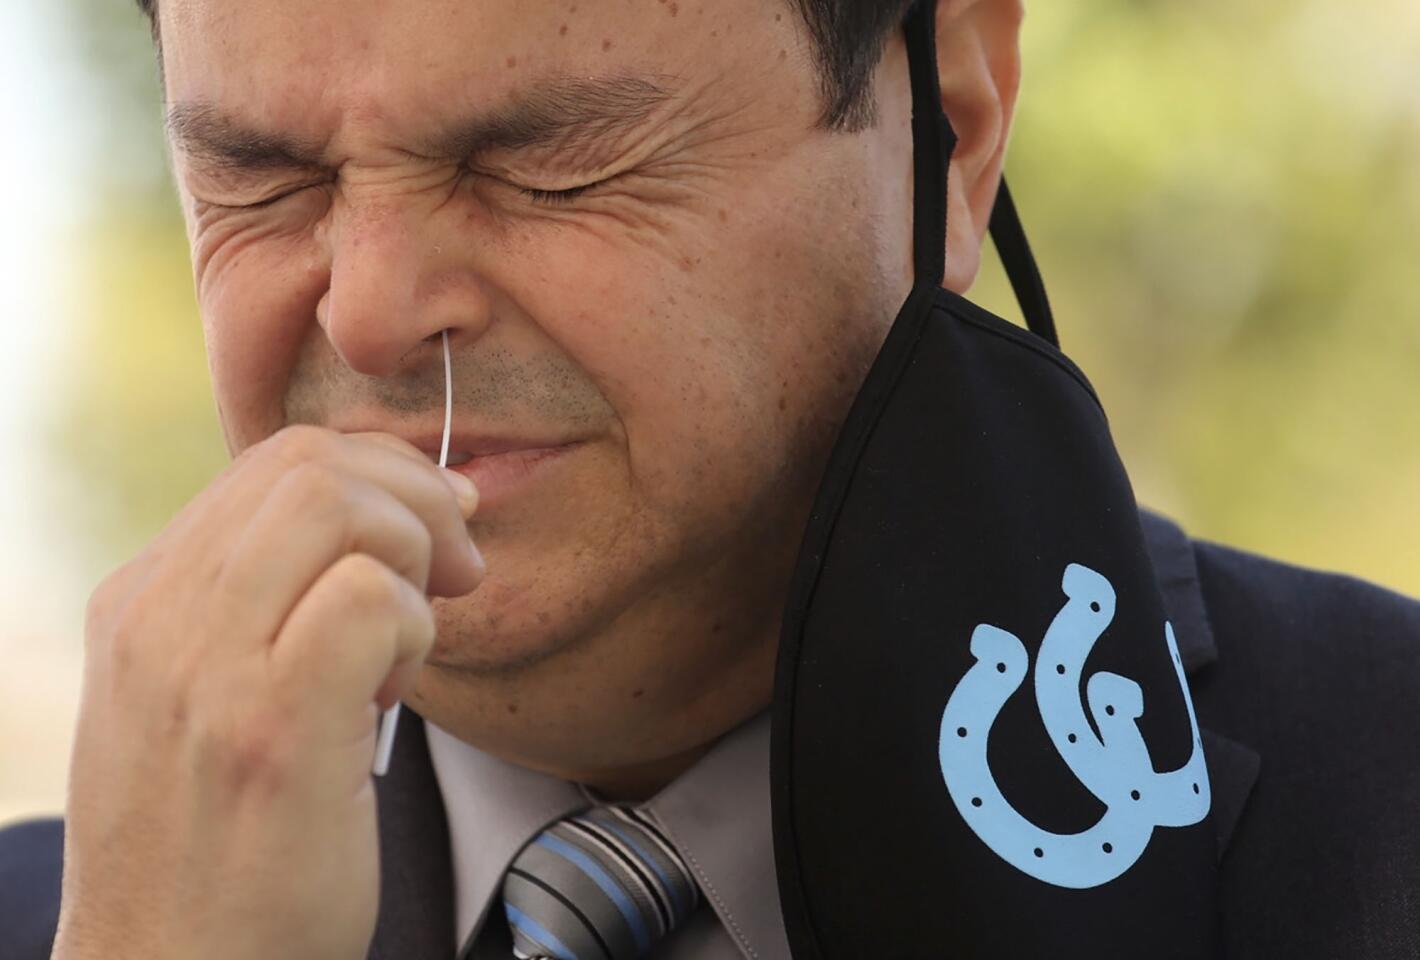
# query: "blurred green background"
[[1224, 197]]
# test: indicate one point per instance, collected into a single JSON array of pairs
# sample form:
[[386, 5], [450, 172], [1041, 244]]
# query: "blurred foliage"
[[140, 403], [1225, 199], [142, 406]]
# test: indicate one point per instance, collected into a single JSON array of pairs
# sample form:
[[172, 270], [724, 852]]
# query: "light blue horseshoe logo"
[[1114, 765]]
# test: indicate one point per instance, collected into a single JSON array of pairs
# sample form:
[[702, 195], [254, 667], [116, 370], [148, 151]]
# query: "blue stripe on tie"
[[626, 838], [533, 929], [609, 886]]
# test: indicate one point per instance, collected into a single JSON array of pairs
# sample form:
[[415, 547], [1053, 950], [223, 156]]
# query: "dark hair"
[[849, 36]]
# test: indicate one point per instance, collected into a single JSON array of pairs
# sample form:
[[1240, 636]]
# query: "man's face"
[[358, 176]]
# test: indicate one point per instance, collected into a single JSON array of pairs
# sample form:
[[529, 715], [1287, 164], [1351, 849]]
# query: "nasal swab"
[[384, 746]]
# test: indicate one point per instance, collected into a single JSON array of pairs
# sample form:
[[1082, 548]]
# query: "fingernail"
[[477, 556], [463, 489]]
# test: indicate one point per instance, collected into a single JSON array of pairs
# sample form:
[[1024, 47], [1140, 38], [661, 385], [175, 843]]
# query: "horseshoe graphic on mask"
[[1113, 765]]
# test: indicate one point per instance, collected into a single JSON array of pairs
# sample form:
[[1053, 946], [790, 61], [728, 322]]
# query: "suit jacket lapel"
[[1232, 767], [416, 919]]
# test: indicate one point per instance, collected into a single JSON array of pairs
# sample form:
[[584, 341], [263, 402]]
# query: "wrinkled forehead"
[[391, 62]]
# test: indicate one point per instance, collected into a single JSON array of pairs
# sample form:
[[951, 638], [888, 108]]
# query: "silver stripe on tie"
[[682, 876], [600, 885], [629, 858]]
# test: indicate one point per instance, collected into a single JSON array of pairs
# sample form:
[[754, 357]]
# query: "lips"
[[456, 457], [501, 476], [467, 444], [464, 450], [499, 464]]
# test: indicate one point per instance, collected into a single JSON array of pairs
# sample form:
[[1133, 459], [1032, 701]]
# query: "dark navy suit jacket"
[[1307, 688]]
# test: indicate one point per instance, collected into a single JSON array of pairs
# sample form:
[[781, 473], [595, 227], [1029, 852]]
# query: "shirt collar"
[[717, 813], [493, 808]]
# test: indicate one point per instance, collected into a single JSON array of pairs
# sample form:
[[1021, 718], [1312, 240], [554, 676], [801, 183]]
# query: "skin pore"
[[358, 176]]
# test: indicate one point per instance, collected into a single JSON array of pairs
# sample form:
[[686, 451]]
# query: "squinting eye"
[[269, 201], [259, 203], [554, 197]]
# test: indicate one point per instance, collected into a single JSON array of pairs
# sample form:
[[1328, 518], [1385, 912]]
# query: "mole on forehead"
[[557, 111]]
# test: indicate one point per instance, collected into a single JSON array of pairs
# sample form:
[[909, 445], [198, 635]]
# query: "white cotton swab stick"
[[385, 745]]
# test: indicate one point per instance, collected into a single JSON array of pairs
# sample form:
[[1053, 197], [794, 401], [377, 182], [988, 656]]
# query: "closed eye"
[[556, 197], [269, 201]]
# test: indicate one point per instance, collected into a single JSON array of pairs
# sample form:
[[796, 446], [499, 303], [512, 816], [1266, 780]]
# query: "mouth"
[[465, 445], [502, 475], [500, 466]]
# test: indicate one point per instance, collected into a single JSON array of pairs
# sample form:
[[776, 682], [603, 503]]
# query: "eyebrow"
[[564, 112], [202, 131]]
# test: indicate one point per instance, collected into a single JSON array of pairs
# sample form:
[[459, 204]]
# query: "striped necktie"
[[605, 884]]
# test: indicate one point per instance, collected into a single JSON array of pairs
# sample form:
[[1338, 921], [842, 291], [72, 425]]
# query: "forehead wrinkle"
[[562, 111]]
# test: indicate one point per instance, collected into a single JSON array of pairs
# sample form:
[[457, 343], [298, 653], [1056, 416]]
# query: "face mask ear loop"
[[933, 141], [384, 747], [1010, 239]]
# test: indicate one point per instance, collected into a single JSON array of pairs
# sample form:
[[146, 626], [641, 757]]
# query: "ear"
[[979, 64]]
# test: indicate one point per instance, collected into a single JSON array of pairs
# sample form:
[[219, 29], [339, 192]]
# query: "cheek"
[[257, 289], [712, 341]]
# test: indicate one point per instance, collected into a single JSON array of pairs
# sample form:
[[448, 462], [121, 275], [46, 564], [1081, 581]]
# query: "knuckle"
[[311, 485], [121, 643], [123, 632], [400, 444], [301, 443], [103, 605], [116, 591], [368, 585]]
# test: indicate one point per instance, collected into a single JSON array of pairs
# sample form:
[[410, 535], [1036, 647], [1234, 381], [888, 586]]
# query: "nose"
[[396, 282]]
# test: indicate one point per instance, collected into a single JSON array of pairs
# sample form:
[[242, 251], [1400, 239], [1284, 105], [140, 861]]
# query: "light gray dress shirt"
[[716, 813]]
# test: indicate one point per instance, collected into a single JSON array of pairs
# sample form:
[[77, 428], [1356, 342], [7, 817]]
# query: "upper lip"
[[468, 441]]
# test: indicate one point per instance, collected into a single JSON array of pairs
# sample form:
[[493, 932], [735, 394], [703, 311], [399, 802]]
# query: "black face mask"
[[983, 743]]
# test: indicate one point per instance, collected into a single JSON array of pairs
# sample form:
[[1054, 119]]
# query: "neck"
[[640, 782], [627, 754]]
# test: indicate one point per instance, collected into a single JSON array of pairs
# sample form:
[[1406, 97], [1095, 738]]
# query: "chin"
[[472, 639]]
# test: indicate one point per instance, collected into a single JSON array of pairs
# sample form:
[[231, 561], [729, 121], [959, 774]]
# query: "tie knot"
[[605, 884]]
